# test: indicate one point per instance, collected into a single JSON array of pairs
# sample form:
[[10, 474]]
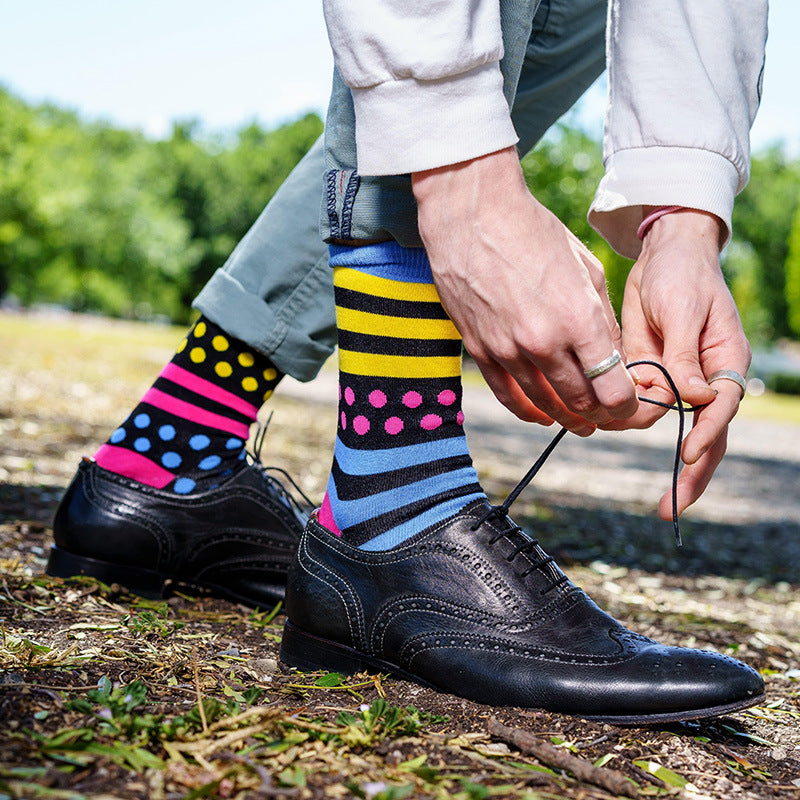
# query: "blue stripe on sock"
[[396, 536], [354, 512], [371, 462], [384, 260]]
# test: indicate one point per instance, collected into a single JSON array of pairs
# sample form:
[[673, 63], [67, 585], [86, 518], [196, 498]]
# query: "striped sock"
[[189, 430], [401, 462]]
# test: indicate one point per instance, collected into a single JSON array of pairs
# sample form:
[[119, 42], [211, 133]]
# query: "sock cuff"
[[385, 260]]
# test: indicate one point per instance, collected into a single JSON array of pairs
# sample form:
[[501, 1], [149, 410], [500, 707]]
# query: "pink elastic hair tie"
[[653, 216]]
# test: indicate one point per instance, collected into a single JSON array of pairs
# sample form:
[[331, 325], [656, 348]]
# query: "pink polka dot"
[[349, 396], [447, 397], [360, 425], [344, 421], [393, 426], [430, 422], [412, 399], [460, 418], [377, 399]]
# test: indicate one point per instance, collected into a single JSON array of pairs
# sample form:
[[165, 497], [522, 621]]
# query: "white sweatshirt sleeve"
[[684, 87], [425, 78]]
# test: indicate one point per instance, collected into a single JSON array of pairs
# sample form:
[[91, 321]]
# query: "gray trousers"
[[275, 292]]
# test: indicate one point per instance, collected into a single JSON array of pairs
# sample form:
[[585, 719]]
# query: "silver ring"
[[604, 366], [729, 375]]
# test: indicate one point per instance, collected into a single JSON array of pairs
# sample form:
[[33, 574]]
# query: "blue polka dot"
[[118, 435], [141, 420], [199, 441], [171, 460], [166, 433], [243, 455], [209, 462], [184, 485], [234, 444], [141, 445]]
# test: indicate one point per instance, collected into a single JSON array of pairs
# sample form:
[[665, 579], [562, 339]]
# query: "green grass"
[[771, 407]]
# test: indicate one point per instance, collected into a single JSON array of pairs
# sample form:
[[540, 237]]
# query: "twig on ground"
[[201, 709], [609, 779]]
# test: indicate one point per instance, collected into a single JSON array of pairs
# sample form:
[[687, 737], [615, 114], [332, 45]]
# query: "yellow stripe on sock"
[[349, 319], [399, 366], [358, 281]]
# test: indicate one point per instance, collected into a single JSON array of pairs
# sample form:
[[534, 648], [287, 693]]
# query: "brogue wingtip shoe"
[[475, 608], [236, 540]]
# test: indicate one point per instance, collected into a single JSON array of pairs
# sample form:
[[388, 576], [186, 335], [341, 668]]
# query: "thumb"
[[682, 360]]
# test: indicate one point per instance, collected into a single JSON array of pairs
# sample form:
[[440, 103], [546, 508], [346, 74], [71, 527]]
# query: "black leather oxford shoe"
[[236, 540], [476, 608]]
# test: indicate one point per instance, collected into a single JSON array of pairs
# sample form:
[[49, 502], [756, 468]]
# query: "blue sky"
[[145, 63]]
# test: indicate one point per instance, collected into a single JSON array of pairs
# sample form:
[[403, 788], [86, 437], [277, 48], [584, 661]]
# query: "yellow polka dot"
[[200, 330], [198, 355], [220, 344], [182, 346], [249, 384], [268, 394], [246, 359], [270, 374], [223, 369]]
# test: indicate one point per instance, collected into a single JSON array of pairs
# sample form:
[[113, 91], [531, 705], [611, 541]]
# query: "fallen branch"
[[609, 779]]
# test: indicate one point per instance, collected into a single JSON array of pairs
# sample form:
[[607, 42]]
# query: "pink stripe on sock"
[[180, 408], [325, 517], [133, 465], [203, 387]]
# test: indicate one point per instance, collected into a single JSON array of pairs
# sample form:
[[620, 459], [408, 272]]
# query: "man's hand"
[[527, 297], [678, 311]]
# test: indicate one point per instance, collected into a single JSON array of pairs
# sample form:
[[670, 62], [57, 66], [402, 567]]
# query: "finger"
[[647, 413], [712, 421], [598, 278], [529, 383], [694, 478], [616, 392], [509, 393], [682, 358]]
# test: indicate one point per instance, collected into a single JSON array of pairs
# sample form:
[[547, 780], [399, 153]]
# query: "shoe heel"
[[310, 653], [144, 582]]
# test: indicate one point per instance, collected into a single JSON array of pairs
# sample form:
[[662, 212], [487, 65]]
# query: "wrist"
[[660, 223], [494, 172]]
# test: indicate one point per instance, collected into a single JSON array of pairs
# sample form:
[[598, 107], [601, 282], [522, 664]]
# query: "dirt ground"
[[103, 694]]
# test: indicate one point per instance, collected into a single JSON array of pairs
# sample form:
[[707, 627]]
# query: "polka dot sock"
[[189, 430], [401, 462]]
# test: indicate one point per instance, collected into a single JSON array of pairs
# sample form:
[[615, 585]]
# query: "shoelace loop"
[[501, 511]]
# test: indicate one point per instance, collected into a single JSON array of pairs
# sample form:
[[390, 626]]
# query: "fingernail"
[[588, 430], [635, 376]]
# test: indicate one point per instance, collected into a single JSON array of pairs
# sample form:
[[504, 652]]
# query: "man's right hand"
[[527, 297]]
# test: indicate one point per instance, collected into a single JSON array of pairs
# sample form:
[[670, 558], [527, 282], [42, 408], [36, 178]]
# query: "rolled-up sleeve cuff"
[[660, 176], [410, 125]]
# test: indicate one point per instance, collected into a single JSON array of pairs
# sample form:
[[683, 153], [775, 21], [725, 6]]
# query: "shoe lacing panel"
[[528, 546], [254, 459]]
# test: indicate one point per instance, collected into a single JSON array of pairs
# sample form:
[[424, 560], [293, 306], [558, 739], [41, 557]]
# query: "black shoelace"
[[501, 512], [255, 456]]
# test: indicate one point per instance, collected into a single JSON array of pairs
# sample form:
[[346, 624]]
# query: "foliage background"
[[102, 219]]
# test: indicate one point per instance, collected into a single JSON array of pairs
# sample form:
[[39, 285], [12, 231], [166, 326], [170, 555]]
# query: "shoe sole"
[[144, 582], [310, 653]]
